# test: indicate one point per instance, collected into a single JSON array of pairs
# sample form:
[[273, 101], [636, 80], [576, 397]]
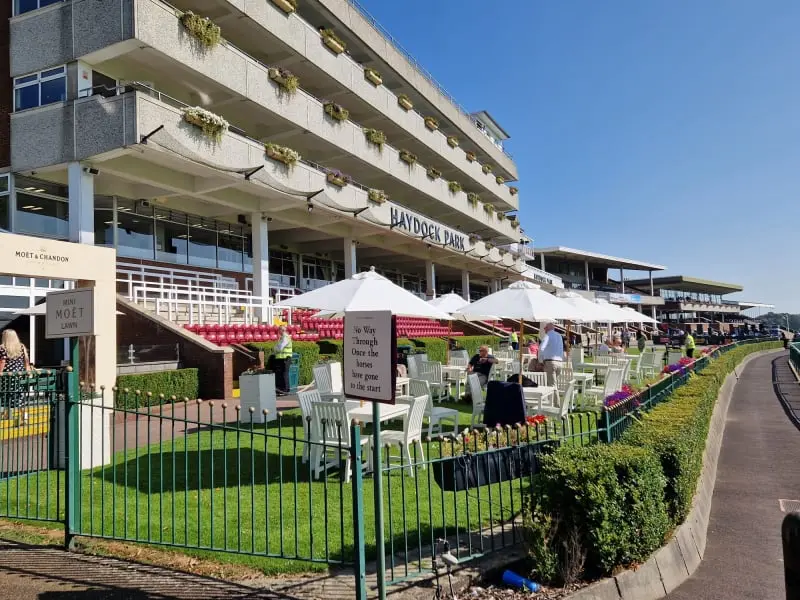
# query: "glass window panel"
[[26, 79], [104, 227], [4, 212], [3, 184], [172, 239], [54, 72], [26, 97], [134, 234], [202, 243], [230, 253], [42, 216], [248, 251], [54, 90]]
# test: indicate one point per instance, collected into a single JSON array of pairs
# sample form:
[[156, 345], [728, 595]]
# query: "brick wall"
[[5, 85]]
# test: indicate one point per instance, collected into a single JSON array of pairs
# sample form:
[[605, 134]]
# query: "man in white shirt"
[[551, 353]]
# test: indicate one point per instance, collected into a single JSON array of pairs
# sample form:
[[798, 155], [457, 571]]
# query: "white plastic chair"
[[330, 426], [612, 384], [457, 361], [436, 414], [562, 410], [459, 354], [306, 400], [323, 383], [412, 434], [478, 401]]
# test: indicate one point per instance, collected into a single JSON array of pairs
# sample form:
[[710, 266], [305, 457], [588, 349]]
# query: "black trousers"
[[281, 368], [690, 352]]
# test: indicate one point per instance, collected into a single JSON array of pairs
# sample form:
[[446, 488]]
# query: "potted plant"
[[474, 238], [332, 41], [513, 191], [405, 102], [282, 154], [431, 123], [501, 216], [500, 180], [373, 76], [335, 111], [471, 156], [338, 178], [407, 157], [486, 168], [257, 392], [452, 141], [202, 29], [285, 79], [454, 187], [488, 209], [287, 6], [375, 136], [377, 196], [212, 125], [473, 198], [489, 246], [433, 173], [514, 222]]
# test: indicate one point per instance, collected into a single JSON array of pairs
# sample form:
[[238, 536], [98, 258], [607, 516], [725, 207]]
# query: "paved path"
[[759, 464]]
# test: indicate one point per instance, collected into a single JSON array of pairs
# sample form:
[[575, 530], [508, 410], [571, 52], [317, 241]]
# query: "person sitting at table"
[[604, 348], [533, 347], [481, 364]]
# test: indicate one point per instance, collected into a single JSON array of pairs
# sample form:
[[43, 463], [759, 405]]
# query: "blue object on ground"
[[513, 580]]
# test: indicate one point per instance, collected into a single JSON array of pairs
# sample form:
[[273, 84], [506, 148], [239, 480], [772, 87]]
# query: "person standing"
[[689, 344], [514, 340], [283, 357], [626, 338], [551, 353], [641, 341], [13, 354], [785, 340]]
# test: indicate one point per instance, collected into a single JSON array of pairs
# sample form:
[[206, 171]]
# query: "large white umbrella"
[[449, 303], [616, 314], [640, 317], [366, 291], [526, 301], [597, 312]]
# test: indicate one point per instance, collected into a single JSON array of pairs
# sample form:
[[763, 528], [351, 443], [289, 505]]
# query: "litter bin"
[[294, 373], [403, 353]]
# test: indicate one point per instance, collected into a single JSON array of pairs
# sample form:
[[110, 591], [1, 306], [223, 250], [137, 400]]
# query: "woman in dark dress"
[[14, 364]]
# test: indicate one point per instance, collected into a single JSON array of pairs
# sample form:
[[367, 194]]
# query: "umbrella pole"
[[521, 338], [449, 337]]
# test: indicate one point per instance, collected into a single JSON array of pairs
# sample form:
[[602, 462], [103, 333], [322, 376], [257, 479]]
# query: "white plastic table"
[[387, 412], [536, 396]]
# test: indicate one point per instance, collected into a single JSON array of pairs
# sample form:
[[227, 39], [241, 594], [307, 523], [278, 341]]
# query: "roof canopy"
[[604, 260], [681, 283]]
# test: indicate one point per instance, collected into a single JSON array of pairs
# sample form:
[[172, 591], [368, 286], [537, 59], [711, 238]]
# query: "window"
[[40, 88], [23, 6], [202, 242], [172, 237], [134, 230], [4, 192], [312, 268], [104, 221], [231, 250], [39, 215]]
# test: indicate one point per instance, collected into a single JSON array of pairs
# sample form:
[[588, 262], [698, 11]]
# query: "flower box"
[[407, 157], [486, 169], [336, 111], [468, 471], [500, 180], [376, 137], [202, 29], [373, 76], [282, 154], [405, 102], [287, 6], [339, 181], [454, 187], [452, 141], [501, 216], [211, 125], [473, 198], [377, 196], [285, 79], [257, 392], [431, 123], [513, 191], [471, 156], [433, 173], [332, 41], [488, 209]]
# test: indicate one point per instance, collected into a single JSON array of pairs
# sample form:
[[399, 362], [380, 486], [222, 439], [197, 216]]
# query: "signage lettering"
[[70, 313], [413, 224], [370, 357], [41, 256]]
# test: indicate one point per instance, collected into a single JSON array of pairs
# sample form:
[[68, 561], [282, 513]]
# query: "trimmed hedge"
[[471, 343], [180, 383], [435, 348], [309, 356], [606, 501]]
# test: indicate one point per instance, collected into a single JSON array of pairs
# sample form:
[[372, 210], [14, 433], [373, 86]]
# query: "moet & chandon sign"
[[412, 223]]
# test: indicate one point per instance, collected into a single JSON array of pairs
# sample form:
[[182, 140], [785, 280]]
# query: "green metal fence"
[[794, 355]]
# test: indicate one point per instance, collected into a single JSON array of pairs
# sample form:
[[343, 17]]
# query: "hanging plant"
[[407, 157], [286, 80], [454, 187], [488, 209], [514, 221], [487, 169], [431, 123], [502, 252], [501, 216], [474, 238], [332, 41], [212, 125], [373, 76], [433, 173], [338, 178], [452, 141], [513, 191], [471, 156], [405, 102], [377, 196], [500, 180], [282, 154], [489, 246], [473, 198], [287, 6], [202, 29], [375, 136], [335, 111]]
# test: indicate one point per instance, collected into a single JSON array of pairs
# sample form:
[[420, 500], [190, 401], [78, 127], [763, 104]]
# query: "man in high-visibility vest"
[[283, 357], [514, 340], [689, 344]]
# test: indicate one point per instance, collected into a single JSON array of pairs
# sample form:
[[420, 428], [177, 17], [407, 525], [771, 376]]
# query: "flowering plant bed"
[[626, 393], [471, 156], [377, 196], [431, 123], [286, 80], [336, 111], [202, 29], [332, 41], [678, 367], [407, 157], [211, 124], [452, 141], [454, 186], [338, 178], [282, 154], [376, 137], [405, 102], [487, 168], [433, 173], [473, 198], [287, 6], [373, 76]]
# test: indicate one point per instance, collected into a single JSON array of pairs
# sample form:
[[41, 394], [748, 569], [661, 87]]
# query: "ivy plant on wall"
[[202, 29]]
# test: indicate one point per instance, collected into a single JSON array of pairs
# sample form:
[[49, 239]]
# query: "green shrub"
[[332, 348], [471, 343], [435, 348], [603, 504], [156, 388], [309, 356]]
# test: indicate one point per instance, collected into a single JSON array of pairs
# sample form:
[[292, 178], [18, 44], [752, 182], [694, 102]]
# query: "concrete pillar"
[[259, 230], [652, 291], [586, 272], [541, 261], [465, 285], [430, 279], [622, 278], [350, 264], [81, 204]]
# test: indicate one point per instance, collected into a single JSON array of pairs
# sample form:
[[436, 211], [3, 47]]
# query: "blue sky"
[[664, 130]]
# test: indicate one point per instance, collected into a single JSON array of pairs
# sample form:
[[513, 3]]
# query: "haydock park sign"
[[370, 356], [413, 223], [70, 314]]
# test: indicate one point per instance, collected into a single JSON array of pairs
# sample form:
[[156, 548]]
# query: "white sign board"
[[70, 314], [370, 356]]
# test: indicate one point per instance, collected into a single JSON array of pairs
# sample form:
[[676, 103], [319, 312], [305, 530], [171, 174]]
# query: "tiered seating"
[[412, 327], [224, 335], [328, 329], [499, 325]]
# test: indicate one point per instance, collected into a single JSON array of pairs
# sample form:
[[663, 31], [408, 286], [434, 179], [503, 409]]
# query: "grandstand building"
[[234, 154]]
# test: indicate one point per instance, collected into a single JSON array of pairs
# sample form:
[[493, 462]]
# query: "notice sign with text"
[[370, 356], [70, 314]]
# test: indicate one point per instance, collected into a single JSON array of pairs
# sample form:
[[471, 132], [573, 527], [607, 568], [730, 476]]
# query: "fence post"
[[359, 561], [72, 504], [605, 434], [790, 534]]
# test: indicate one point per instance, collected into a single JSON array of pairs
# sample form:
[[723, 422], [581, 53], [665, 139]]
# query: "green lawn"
[[237, 490]]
